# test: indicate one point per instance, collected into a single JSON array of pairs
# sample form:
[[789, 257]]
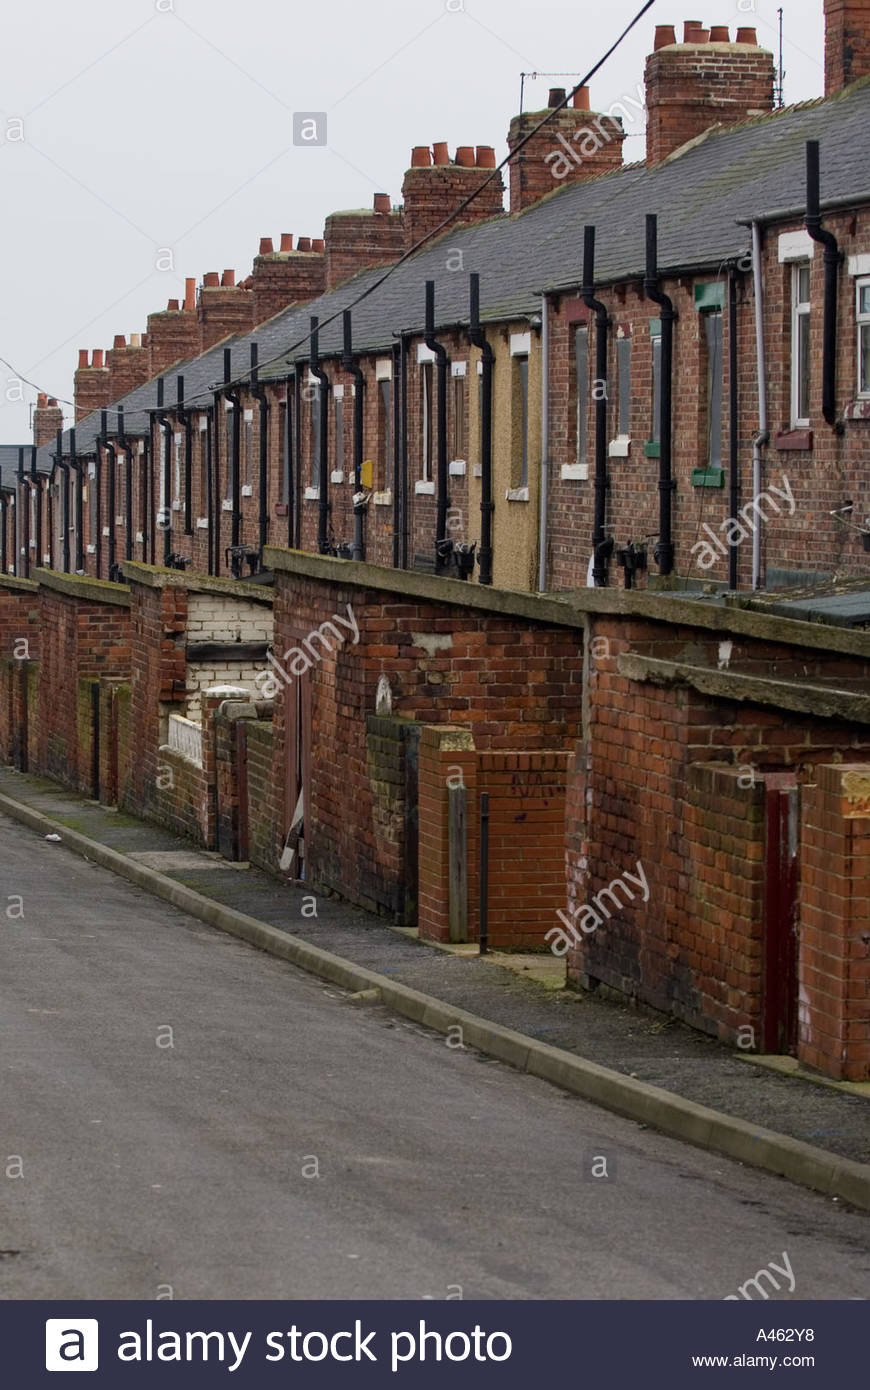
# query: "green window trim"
[[652, 449], [708, 477], [710, 295]]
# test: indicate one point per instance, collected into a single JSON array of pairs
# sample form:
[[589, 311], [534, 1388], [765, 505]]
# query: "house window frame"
[[459, 404], [623, 386], [520, 365], [427, 421], [655, 339], [800, 312], [715, 389], [862, 331]]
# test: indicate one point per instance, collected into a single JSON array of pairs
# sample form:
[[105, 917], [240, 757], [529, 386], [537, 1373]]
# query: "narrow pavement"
[[182, 1115]]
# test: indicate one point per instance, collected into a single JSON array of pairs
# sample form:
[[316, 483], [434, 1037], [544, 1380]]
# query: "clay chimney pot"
[[286, 241], [84, 358], [557, 94], [666, 34], [720, 33], [382, 202], [228, 279], [440, 153], [749, 36], [465, 156], [266, 247], [421, 157], [211, 280], [581, 99], [485, 157], [120, 341]]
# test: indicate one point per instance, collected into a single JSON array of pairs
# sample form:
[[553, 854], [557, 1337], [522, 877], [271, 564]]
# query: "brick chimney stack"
[[434, 187], [285, 276], [356, 241], [173, 334], [847, 43], [702, 82], [47, 419], [575, 144], [129, 366], [225, 308], [91, 386]]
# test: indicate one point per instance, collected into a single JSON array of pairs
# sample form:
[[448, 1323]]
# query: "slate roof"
[[9, 462], [699, 194]]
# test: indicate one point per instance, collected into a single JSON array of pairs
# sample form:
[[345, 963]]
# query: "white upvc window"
[[862, 313], [427, 412], [800, 344]]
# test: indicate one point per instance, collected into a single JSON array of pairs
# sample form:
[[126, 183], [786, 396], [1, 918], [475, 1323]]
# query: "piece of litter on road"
[[53, 837]]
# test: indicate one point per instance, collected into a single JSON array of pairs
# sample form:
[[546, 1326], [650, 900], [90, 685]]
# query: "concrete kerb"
[[624, 1095]]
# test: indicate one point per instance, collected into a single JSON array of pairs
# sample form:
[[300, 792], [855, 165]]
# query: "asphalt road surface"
[[183, 1116]]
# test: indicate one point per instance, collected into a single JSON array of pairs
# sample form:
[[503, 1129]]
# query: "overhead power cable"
[[436, 231]]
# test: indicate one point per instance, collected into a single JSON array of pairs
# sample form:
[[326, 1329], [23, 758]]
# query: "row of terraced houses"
[[586, 482]]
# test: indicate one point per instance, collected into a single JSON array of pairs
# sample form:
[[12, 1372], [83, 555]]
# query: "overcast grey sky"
[[165, 126]]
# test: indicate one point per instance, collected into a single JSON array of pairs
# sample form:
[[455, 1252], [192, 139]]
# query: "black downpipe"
[[442, 545], [148, 518], [77, 469], [64, 467], [37, 522], [3, 515], [360, 507], [22, 519], [235, 401], [479, 339], [263, 418], [287, 455], [733, 421], [602, 546], [664, 550], [126, 447], [403, 453], [317, 371], [210, 487], [297, 438], [101, 444], [832, 260], [398, 419], [164, 515], [184, 418], [111, 503]]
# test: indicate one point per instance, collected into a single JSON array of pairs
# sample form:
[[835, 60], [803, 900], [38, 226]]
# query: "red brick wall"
[[693, 947], [692, 86], [85, 635], [835, 923], [847, 43], [512, 684], [430, 194], [526, 837], [358, 240], [158, 675], [544, 164]]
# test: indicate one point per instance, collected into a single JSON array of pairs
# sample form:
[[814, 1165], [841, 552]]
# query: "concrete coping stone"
[[156, 577], [573, 608], [19, 585], [821, 700], [84, 587]]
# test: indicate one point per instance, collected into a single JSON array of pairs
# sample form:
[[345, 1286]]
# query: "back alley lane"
[[290, 1145]]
